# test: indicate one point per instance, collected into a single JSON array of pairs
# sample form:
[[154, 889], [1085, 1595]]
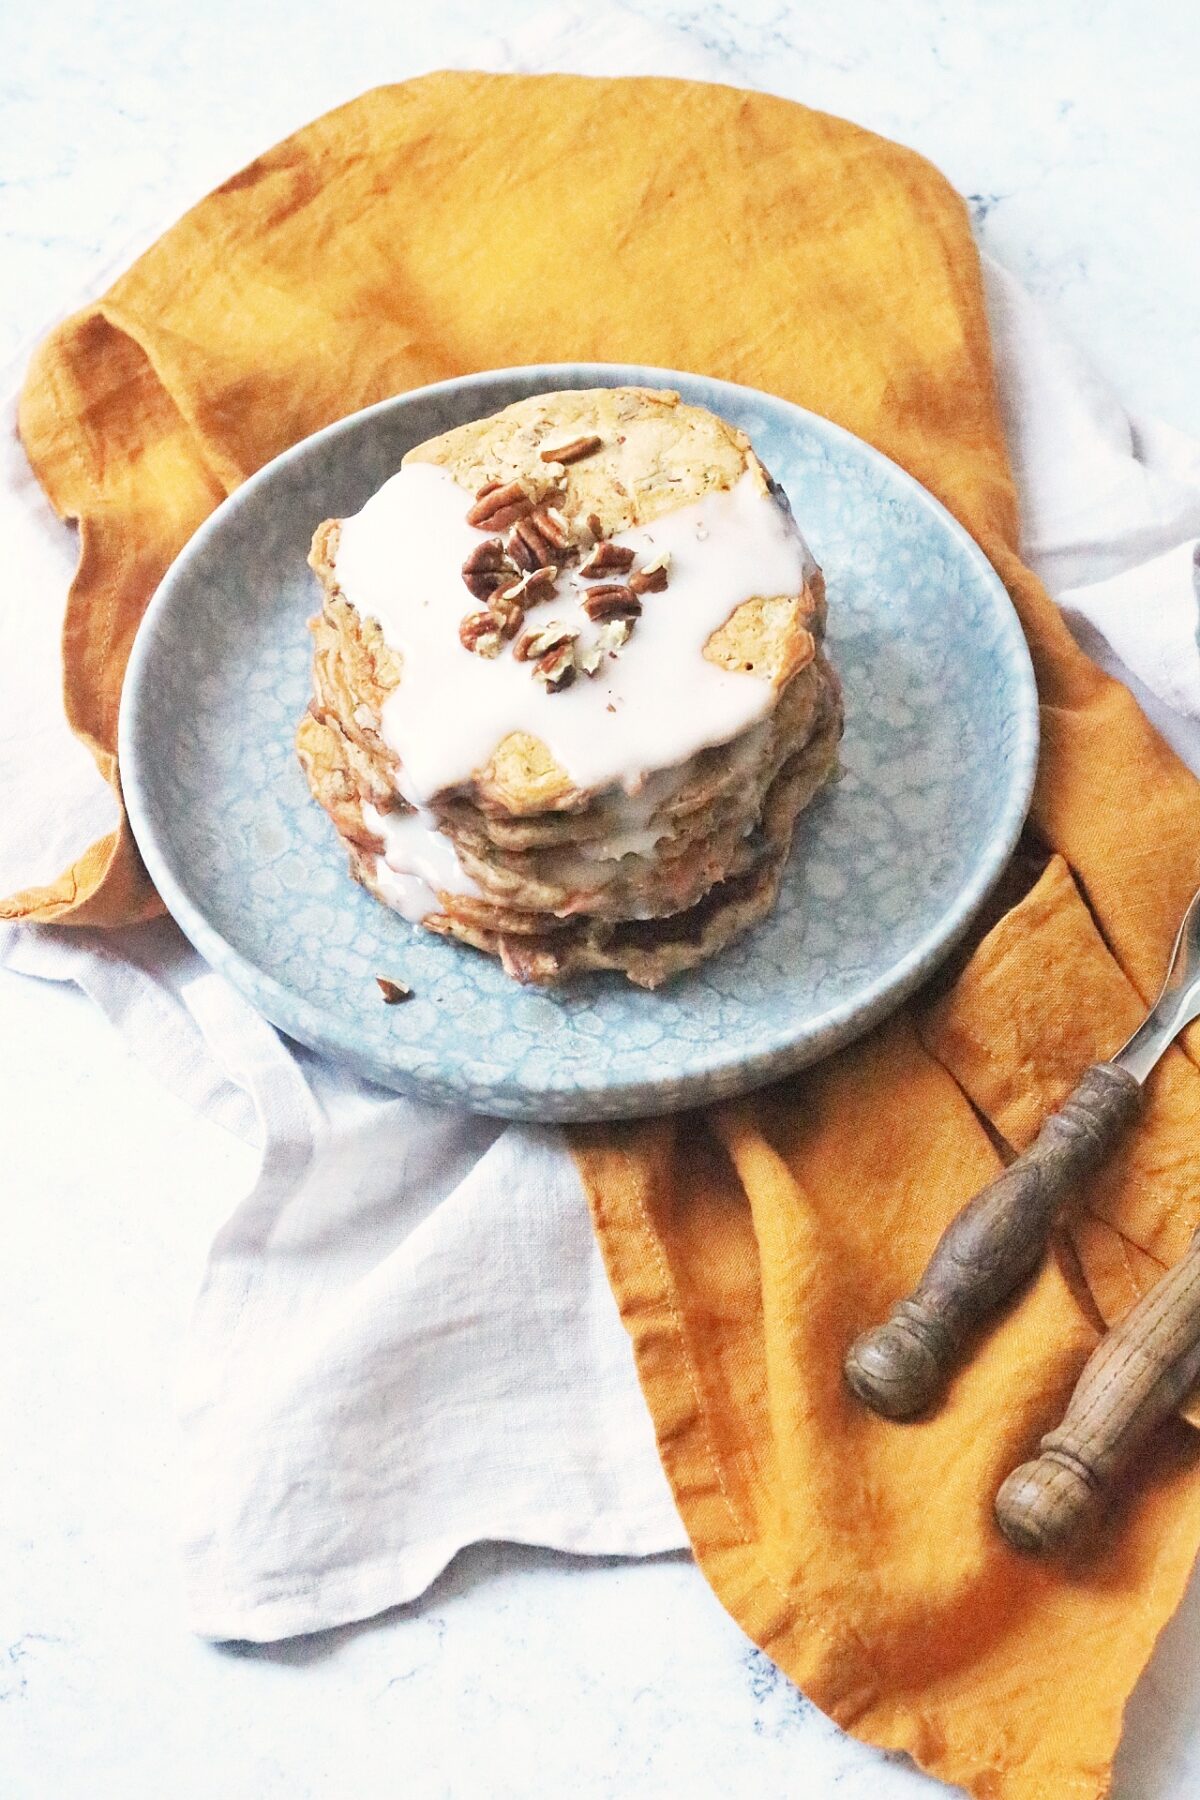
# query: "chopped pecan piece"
[[508, 515], [539, 585], [528, 546], [487, 568], [480, 587], [648, 581], [556, 669], [614, 634], [552, 526], [594, 526], [541, 638], [509, 604], [611, 600], [480, 633], [532, 586], [608, 559], [486, 556], [651, 578], [507, 610], [573, 452], [393, 991], [500, 507]]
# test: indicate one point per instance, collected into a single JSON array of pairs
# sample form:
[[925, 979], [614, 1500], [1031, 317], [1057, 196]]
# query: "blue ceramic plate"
[[886, 872]]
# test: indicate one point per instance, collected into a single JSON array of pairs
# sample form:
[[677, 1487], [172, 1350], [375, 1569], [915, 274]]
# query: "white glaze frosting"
[[652, 707], [417, 864]]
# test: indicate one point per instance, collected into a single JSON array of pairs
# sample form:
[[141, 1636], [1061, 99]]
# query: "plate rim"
[[822, 1034]]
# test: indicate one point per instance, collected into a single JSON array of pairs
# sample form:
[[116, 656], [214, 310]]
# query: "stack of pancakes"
[[648, 874]]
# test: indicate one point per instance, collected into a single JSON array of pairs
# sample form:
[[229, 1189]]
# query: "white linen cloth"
[[404, 1341]]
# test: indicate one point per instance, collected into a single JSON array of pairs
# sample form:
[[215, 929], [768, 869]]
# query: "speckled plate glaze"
[[886, 872]]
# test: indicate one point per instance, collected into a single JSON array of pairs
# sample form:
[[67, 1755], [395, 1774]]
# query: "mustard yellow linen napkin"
[[464, 222]]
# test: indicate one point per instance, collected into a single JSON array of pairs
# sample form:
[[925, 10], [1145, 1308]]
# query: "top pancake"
[[656, 455]]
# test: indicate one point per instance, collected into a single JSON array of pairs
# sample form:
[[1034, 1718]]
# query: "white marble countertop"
[[1075, 132]]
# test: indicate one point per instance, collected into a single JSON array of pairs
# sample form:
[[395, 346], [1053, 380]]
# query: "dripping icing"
[[419, 862], [653, 707]]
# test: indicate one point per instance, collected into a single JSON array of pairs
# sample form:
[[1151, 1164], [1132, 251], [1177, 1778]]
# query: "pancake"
[[569, 689], [650, 952]]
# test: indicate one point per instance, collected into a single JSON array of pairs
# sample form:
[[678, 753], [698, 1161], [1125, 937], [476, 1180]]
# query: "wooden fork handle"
[[899, 1368], [1140, 1372]]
